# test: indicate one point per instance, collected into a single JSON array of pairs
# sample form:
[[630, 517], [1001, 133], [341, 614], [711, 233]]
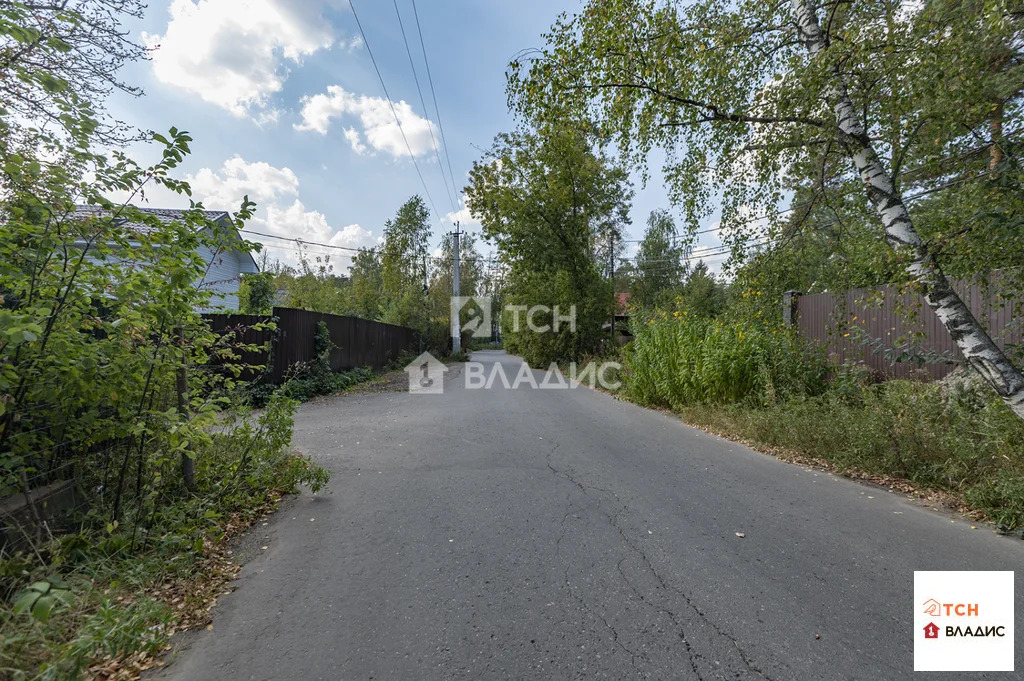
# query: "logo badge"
[[476, 310], [426, 375], [963, 621]]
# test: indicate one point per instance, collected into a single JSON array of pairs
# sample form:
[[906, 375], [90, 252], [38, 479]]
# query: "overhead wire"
[[391, 104], [433, 95], [423, 103]]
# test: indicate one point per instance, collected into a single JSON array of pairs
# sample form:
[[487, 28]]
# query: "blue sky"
[[283, 103]]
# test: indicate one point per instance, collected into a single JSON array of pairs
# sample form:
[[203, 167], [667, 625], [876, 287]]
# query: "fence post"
[[790, 302]]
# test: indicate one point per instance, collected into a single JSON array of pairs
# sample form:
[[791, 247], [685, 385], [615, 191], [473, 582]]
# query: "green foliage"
[[660, 267], [745, 114], [60, 62], [39, 598], [104, 361], [702, 294], [938, 439], [104, 570], [732, 97], [365, 278], [555, 206], [313, 379], [315, 286], [256, 293], [587, 294], [460, 356], [683, 359]]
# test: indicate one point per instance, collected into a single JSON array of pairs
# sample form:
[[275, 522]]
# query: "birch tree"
[[748, 98]]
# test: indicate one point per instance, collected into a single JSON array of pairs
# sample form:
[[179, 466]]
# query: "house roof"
[[166, 215], [163, 214]]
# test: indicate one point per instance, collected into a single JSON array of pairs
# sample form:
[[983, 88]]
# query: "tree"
[[60, 60], [735, 92], [554, 205], [702, 294], [406, 239], [441, 289], [315, 286], [659, 262], [256, 293], [365, 284]]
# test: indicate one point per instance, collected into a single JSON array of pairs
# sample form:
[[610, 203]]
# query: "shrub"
[[108, 567], [683, 359]]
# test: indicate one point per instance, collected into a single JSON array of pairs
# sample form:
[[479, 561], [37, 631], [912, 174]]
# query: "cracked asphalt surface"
[[562, 534]]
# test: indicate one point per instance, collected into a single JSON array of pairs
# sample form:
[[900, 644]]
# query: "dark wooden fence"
[[896, 333], [357, 342]]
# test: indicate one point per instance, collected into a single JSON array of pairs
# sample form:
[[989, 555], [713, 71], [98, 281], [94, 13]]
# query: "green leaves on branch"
[[39, 599]]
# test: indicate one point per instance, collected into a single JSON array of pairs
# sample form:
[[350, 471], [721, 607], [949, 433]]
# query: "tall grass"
[[968, 445], [681, 359], [764, 385]]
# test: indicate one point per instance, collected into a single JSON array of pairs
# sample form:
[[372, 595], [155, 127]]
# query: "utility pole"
[[615, 298], [456, 326], [426, 307]]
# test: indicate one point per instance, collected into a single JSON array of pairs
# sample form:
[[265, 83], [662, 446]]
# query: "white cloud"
[[352, 135], [224, 189], [232, 52], [295, 222], [351, 44], [272, 188], [379, 128], [464, 217]]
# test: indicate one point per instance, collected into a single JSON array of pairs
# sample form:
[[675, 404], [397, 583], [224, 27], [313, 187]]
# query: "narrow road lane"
[[528, 534]]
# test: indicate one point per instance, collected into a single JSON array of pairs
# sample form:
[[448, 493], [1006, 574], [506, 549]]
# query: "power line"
[[423, 103], [298, 240], [433, 95], [391, 104], [305, 243]]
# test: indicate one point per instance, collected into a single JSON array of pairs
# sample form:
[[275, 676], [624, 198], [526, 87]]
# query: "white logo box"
[[962, 603]]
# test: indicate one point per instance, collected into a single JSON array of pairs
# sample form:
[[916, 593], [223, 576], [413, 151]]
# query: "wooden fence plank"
[[357, 342]]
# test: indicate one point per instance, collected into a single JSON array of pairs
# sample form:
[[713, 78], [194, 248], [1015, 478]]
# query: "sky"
[[284, 104]]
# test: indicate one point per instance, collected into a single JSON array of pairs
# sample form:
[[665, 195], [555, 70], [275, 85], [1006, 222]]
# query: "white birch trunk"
[[976, 345]]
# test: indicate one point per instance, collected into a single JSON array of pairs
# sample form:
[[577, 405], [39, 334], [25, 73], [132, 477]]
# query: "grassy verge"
[[966, 446], [102, 601], [763, 384]]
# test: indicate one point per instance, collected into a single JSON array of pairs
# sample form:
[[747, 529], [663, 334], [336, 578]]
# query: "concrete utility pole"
[[456, 326], [426, 307], [615, 298]]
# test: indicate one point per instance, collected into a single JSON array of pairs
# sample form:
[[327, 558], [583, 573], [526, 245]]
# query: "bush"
[[109, 568], [682, 359]]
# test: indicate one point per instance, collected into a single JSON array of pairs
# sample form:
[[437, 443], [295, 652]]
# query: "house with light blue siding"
[[225, 266]]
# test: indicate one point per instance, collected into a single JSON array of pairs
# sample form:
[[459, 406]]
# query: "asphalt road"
[[562, 534]]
